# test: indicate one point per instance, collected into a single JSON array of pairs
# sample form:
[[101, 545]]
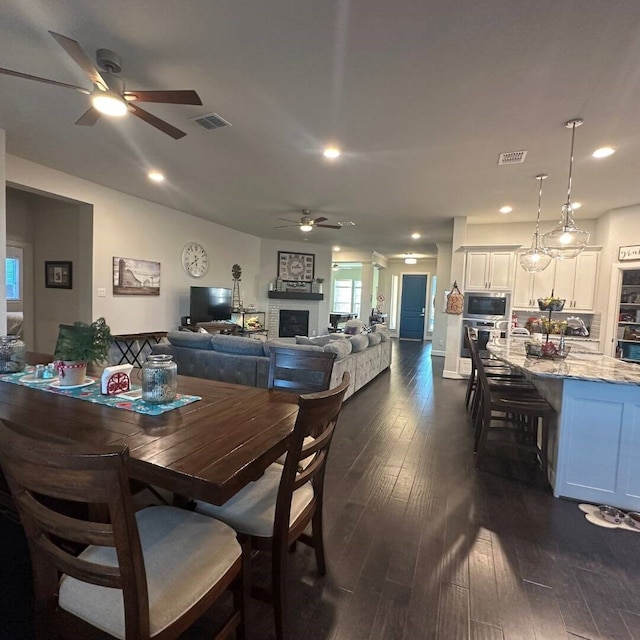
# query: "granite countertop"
[[580, 364]]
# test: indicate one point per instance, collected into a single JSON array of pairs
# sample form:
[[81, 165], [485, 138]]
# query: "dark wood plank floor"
[[420, 545]]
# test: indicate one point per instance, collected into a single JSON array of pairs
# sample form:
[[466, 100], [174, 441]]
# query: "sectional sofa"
[[246, 361]]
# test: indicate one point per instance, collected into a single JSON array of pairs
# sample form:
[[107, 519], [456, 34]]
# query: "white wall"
[[125, 226], [267, 272], [439, 337], [517, 232]]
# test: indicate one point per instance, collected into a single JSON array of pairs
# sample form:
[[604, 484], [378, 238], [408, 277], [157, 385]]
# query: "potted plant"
[[78, 345]]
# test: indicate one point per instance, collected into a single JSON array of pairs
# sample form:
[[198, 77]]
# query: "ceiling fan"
[[108, 95], [307, 223]]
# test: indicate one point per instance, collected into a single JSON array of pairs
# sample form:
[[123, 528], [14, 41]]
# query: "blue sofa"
[[246, 361]]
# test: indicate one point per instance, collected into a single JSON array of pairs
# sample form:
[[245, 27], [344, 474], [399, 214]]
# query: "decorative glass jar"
[[12, 354], [159, 379]]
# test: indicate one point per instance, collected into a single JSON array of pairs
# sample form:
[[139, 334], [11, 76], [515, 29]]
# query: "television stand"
[[219, 326]]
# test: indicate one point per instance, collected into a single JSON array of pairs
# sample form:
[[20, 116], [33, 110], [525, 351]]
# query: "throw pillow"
[[359, 343], [303, 340], [190, 339], [358, 324], [351, 331], [341, 348], [374, 338]]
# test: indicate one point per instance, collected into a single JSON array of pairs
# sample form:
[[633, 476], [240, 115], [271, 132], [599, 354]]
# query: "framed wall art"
[[133, 277], [296, 266], [58, 274], [631, 252]]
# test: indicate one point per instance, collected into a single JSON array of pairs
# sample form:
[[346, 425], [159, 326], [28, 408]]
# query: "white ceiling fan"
[[307, 223], [108, 95]]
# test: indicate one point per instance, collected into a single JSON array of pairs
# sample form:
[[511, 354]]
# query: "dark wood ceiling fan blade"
[[291, 221], [156, 122], [81, 59], [320, 219], [329, 226], [186, 96], [26, 76], [282, 226], [89, 117]]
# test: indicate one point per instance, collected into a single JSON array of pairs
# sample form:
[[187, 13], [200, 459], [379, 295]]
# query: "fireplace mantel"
[[295, 295]]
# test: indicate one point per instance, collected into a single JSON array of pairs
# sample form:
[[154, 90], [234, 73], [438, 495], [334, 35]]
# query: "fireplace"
[[293, 322]]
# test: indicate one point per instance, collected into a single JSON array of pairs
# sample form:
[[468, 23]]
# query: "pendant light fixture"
[[536, 259], [566, 240]]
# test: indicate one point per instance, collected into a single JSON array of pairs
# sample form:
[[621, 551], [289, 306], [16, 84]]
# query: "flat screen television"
[[209, 303]]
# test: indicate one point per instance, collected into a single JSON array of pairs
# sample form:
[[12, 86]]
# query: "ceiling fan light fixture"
[[109, 103], [331, 153], [566, 241], [306, 227], [536, 258]]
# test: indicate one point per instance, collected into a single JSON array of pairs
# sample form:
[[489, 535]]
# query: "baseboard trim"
[[441, 354], [453, 375]]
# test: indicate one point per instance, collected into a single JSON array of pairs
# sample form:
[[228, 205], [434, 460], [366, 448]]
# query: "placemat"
[[90, 392]]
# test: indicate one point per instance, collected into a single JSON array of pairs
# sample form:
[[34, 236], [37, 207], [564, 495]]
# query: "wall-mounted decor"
[[133, 277], [58, 275], [631, 252], [296, 266]]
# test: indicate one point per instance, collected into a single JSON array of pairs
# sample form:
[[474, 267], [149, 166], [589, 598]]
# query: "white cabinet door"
[[585, 281], [522, 288], [477, 270], [543, 282], [576, 281], [500, 268], [565, 277]]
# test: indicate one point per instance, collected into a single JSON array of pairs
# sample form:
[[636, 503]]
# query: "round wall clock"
[[195, 260]]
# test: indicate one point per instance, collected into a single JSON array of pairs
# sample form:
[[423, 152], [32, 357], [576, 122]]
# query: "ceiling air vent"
[[211, 121], [512, 157]]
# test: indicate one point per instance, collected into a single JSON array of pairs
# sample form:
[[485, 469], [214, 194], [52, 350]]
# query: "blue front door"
[[412, 306]]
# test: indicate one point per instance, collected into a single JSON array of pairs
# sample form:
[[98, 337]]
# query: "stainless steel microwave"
[[486, 305]]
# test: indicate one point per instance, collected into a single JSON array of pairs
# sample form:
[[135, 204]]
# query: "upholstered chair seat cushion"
[[184, 554], [252, 510]]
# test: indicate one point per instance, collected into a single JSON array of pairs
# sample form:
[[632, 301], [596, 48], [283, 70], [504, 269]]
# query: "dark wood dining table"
[[208, 450]]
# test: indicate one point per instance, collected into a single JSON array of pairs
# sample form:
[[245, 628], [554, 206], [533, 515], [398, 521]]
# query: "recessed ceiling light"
[[415, 236], [336, 248], [603, 152], [331, 152], [156, 176], [576, 205], [506, 209], [410, 261]]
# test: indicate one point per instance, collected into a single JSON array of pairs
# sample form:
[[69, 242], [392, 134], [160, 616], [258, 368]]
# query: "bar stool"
[[512, 422], [494, 368]]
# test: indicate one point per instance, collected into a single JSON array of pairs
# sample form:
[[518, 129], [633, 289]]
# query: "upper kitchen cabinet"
[[528, 287], [489, 269], [574, 280]]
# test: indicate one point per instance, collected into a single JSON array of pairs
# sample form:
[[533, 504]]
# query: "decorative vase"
[[159, 379], [12, 354], [71, 373]]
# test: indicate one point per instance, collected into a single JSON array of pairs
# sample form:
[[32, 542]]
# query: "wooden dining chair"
[[275, 510], [138, 576], [299, 370]]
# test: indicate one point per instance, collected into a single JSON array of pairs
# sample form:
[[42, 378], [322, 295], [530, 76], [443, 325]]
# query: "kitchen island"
[[594, 446]]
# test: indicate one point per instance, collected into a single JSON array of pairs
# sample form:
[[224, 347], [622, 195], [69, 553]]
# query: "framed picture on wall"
[[296, 266], [58, 275], [133, 277]]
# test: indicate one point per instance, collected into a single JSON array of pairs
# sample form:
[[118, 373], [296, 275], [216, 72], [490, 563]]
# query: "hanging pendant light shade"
[[536, 259], [566, 240]]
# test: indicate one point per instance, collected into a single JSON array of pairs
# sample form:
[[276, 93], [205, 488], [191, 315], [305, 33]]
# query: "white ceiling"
[[422, 96]]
